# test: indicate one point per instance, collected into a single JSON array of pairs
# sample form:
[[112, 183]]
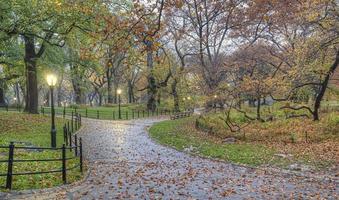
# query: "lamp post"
[[189, 102], [51, 81], [16, 103], [119, 102], [184, 99]]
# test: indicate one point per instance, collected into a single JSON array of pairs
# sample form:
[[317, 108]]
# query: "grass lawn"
[[181, 134], [320, 153], [34, 130]]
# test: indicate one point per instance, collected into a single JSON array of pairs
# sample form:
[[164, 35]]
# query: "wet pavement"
[[124, 163]]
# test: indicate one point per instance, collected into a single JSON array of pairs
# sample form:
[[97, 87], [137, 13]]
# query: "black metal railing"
[[71, 143], [106, 114]]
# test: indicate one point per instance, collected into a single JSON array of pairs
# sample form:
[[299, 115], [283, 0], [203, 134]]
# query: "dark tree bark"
[[31, 76], [76, 82], [130, 92], [323, 88], [152, 86], [2, 96], [59, 96], [109, 85], [17, 93], [258, 108], [175, 95]]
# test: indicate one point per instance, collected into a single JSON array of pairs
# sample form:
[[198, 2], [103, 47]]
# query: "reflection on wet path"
[[126, 164]]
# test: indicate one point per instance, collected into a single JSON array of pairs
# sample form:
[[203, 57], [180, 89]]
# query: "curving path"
[[126, 164]]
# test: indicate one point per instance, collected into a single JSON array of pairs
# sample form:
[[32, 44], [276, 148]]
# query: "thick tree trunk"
[[59, 96], [17, 93], [258, 108], [76, 82], [130, 92], [78, 94], [100, 98], [2, 96], [175, 95], [31, 76], [323, 88], [109, 86], [151, 87]]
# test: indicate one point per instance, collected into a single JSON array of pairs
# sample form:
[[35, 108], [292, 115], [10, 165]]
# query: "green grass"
[[261, 142], [33, 129], [181, 134]]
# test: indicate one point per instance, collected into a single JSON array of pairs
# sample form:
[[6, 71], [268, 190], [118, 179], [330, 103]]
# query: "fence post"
[[86, 113], [64, 113], [126, 114], [76, 145], [143, 113], [65, 134], [157, 111], [7, 107], [113, 115], [64, 178], [138, 113], [76, 122], [132, 114], [43, 110], [81, 169], [80, 119], [70, 141], [10, 166], [72, 122], [75, 110], [97, 114]]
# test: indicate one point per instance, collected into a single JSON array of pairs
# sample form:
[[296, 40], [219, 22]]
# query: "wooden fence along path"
[[71, 143]]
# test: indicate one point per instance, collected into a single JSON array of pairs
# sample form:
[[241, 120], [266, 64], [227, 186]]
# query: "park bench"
[[179, 115]]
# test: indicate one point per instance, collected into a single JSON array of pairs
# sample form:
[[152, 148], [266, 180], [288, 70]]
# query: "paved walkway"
[[126, 164]]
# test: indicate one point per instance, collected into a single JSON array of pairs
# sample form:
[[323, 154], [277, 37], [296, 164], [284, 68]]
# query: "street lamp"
[[189, 102], [119, 101], [51, 81], [16, 103]]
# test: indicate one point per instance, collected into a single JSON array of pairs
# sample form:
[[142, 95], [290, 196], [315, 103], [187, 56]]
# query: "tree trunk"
[[17, 93], [31, 76], [109, 86], [2, 96], [76, 79], [175, 95], [151, 87], [100, 98], [258, 108], [59, 96], [323, 88], [78, 94], [130, 92]]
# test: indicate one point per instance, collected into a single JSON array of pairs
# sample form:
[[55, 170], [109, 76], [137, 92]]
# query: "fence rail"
[[106, 114], [71, 142]]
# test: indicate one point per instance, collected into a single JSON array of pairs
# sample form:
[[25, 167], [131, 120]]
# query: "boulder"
[[230, 140]]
